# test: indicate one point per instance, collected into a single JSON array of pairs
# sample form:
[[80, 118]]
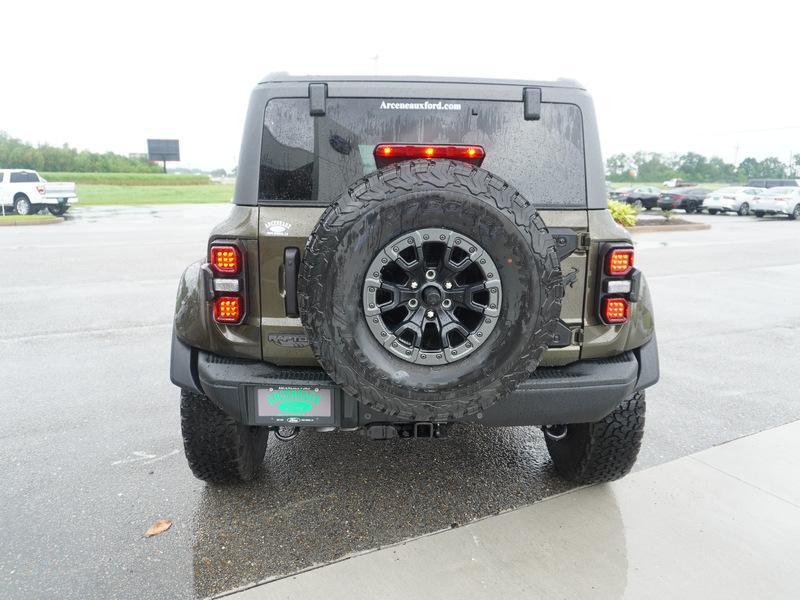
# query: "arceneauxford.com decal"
[[427, 105]]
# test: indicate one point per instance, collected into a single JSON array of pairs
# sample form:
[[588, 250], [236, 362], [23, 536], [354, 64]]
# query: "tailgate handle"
[[291, 267]]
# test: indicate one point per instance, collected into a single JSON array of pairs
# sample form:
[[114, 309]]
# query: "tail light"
[[619, 262], [225, 259], [615, 310], [619, 284], [40, 189], [226, 282], [228, 309], [386, 154]]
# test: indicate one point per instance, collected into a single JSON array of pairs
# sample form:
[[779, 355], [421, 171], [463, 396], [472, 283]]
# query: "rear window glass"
[[23, 177], [314, 159]]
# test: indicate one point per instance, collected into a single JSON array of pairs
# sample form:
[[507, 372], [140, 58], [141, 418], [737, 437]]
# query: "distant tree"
[[692, 166], [654, 168], [15, 153], [770, 167], [617, 167]]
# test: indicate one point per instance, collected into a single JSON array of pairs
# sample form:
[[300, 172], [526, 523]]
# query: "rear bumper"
[[584, 391], [55, 200]]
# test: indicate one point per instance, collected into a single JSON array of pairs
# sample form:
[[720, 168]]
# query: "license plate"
[[299, 402]]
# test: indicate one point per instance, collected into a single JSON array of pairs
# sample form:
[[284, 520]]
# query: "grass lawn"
[[89, 194], [16, 217], [22, 218], [128, 178]]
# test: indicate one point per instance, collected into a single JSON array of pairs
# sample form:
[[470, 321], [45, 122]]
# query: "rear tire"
[[690, 208], [58, 209], [795, 214], [759, 213], [601, 451], [712, 211], [218, 448], [744, 209]]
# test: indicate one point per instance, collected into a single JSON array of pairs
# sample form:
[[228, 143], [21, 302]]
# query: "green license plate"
[[301, 402]]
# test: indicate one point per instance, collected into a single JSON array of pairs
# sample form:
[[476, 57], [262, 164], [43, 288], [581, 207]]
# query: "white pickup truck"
[[27, 193]]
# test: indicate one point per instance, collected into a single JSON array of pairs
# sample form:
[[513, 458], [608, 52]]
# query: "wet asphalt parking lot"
[[90, 447]]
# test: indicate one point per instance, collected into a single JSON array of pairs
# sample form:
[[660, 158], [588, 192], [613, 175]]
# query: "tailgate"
[[307, 161], [59, 190]]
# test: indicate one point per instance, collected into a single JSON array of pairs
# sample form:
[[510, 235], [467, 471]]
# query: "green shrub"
[[622, 213]]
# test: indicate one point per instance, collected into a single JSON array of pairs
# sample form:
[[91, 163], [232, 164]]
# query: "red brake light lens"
[[40, 189], [619, 262], [225, 259], [615, 310], [227, 309], [386, 154]]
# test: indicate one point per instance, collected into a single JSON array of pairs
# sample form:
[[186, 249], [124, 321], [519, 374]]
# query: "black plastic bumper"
[[582, 392]]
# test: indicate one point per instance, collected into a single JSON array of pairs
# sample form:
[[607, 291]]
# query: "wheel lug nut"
[[429, 314], [448, 285], [414, 285], [413, 303], [430, 274], [447, 303]]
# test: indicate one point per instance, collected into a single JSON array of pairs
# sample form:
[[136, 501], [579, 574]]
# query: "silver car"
[[736, 198]]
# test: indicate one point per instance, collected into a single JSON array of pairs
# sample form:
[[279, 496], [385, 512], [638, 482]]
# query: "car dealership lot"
[[91, 453]]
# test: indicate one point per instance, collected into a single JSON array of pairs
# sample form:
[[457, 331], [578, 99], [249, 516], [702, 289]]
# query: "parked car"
[[777, 201], [676, 183], [771, 183], [621, 193], [689, 199], [736, 198], [643, 197], [27, 193]]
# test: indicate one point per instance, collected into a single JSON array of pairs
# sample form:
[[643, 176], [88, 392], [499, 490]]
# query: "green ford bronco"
[[408, 253]]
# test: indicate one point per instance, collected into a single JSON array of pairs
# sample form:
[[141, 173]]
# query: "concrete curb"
[[24, 222], [683, 227]]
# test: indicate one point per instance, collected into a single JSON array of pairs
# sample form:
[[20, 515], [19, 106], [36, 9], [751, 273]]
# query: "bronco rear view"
[[408, 253]]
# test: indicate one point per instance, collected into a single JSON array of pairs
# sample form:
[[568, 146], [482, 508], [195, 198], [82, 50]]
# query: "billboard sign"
[[163, 150]]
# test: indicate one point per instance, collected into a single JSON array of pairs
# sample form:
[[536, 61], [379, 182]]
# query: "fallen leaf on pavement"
[[159, 526]]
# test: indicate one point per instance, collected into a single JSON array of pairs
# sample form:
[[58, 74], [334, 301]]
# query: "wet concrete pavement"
[[90, 450]]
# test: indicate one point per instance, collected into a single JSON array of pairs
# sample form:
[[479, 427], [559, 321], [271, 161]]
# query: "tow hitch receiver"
[[424, 430]]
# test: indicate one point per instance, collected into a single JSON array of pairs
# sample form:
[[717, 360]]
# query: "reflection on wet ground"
[[324, 496]]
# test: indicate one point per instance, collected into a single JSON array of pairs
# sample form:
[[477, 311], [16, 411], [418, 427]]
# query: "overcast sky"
[[666, 76]]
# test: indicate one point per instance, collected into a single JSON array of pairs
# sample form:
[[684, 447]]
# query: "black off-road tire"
[[601, 451], [403, 198], [219, 449]]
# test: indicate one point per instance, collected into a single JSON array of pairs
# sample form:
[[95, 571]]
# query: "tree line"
[[655, 167], [17, 154]]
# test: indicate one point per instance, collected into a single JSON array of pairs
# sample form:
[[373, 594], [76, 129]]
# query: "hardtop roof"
[[285, 77]]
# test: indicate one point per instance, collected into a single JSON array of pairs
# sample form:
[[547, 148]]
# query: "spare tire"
[[430, 289]]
